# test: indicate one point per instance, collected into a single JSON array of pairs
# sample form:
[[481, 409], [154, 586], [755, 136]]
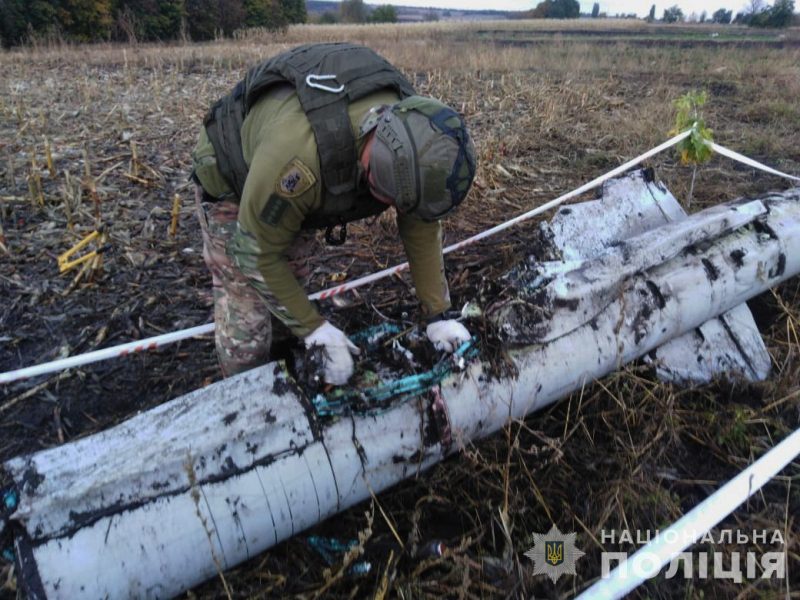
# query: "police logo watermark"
[[554, 553]]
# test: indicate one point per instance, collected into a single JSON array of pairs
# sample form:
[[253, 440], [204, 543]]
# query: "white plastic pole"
[[670, 542], [106, 353], [162, 340]]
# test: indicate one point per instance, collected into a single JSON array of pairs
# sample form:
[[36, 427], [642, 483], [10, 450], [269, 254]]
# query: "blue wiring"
[[340, 400]]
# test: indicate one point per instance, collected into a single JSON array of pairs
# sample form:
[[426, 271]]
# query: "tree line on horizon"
[[757, 14], [141, 20], [23, 21]]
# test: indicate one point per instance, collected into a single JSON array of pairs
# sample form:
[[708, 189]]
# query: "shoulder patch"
[[274, 209], [295, 179]]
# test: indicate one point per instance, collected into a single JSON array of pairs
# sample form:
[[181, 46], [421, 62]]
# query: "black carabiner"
[[332, 241]]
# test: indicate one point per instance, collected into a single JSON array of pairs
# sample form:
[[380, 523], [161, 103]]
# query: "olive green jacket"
[[283, 186]]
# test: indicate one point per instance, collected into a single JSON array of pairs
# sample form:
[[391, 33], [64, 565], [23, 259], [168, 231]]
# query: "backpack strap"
[[357, 72], [223, 124]]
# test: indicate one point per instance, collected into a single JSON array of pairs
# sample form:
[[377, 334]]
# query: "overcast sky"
[[611, 7]]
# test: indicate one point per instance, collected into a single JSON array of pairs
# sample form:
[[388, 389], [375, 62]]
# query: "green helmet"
[[422, 157]]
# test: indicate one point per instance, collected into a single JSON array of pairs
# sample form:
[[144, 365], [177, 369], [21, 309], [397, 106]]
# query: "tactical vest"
[[357, 72]]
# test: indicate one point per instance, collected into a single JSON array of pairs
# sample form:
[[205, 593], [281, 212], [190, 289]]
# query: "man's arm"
[[423, 245], [270, 215]]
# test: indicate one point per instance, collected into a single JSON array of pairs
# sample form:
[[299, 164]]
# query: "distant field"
[[644, 34], [550, 105]]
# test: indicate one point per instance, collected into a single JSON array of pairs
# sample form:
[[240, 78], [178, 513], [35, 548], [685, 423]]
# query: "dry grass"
[[625, 453]]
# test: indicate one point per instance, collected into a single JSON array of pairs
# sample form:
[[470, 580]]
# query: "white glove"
[[338, 363], [447, 335]]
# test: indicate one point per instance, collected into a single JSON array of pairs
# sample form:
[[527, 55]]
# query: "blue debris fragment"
[[10, 500], [360, 568], [329, 548]]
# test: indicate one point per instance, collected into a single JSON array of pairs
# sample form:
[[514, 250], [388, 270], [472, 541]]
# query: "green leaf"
[[693, 149]]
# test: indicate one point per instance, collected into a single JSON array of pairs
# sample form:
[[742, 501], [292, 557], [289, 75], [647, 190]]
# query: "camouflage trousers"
[[242, 314]]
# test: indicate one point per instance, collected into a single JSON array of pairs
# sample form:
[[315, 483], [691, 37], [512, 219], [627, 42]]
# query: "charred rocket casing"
[[148, 508]]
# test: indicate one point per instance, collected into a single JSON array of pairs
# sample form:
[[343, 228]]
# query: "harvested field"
[[102, 135]]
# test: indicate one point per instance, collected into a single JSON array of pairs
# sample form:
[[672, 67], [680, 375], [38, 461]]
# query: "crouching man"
[[311, 139]]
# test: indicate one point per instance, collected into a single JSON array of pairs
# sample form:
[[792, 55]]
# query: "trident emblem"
[[555, 553]]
